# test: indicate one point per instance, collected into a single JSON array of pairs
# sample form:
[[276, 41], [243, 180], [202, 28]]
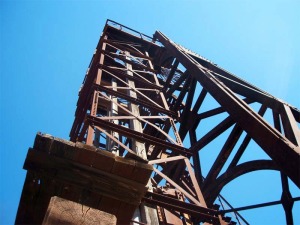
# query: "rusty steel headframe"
[[142, 97]]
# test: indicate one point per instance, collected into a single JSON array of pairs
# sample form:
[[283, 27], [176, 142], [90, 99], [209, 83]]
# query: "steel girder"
[[147, 97]]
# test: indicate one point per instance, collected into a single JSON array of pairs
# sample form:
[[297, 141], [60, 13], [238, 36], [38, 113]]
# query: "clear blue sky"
[[46, 47]]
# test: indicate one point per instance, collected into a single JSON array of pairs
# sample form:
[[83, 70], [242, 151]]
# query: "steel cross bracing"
[[147, 98]]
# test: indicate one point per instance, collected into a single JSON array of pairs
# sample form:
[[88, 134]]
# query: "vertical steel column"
[[147, 212], [111, 145], [136, 125], [93, 111], [90, 132]]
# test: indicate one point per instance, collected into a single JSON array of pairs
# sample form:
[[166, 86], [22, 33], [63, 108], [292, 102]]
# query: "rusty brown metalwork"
[[142, 98]]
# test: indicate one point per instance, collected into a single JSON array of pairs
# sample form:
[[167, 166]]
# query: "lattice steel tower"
[[151, 101]]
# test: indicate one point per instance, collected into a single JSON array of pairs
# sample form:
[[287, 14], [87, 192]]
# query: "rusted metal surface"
[[166, 79], [271, 141], [147, 98], [172, 203]]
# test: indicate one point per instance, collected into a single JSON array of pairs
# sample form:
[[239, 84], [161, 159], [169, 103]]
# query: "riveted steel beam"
[[278, 147]]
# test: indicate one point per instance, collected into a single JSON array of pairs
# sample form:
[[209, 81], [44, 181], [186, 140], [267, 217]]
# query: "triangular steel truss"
[[152, 99]]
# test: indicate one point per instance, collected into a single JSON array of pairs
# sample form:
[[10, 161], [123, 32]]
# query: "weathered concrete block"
[[62, 211]]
